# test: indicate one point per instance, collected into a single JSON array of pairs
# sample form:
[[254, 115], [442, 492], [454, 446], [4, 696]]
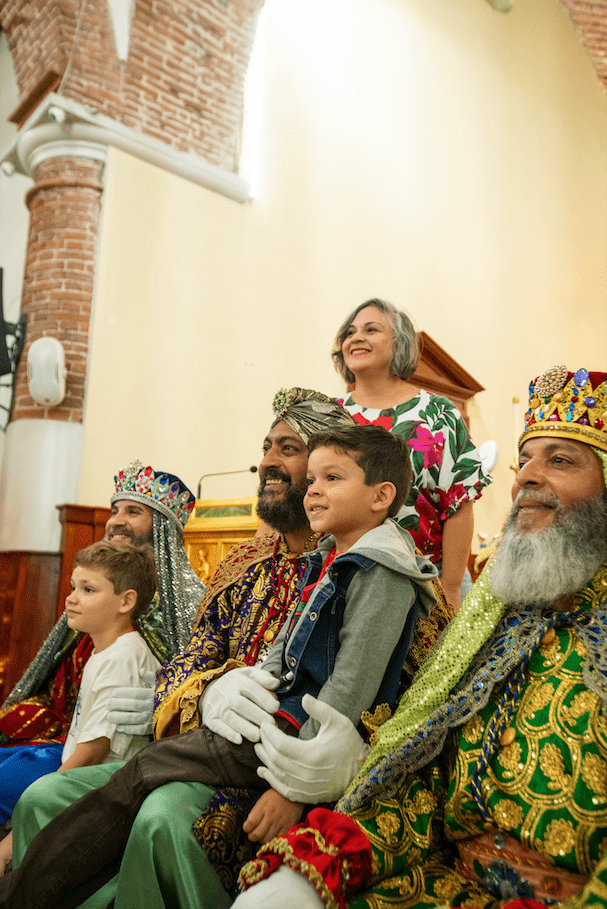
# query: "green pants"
[[163, 864]]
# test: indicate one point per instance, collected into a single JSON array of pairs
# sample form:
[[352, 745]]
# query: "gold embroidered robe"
[[546, 786]]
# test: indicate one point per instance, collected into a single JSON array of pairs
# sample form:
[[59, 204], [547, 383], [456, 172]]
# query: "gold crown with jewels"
[[568, 405]]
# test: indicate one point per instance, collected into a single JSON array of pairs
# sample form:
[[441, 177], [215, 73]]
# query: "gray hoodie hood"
[[393, 547]]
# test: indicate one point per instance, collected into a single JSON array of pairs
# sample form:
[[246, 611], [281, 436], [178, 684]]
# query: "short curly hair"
[[406, 344]]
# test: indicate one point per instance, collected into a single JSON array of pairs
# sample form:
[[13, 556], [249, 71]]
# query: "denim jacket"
[[350, 642]]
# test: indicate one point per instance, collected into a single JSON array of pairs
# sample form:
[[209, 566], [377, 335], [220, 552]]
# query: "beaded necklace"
[[285, 572]]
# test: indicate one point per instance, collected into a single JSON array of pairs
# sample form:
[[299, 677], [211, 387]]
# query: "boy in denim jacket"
[[345, 643]]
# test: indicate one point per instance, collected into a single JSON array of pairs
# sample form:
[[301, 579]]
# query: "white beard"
[[543, 566]]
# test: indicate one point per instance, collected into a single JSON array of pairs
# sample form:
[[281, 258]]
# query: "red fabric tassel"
[[328, 848]]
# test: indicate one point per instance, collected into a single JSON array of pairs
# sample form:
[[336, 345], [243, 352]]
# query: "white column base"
[[40, 470]]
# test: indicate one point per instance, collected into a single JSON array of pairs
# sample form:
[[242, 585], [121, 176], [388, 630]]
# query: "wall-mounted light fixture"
[[46, 371]]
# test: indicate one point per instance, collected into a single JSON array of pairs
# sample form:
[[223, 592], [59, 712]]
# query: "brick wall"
[[182, 84], [183, 80], [59, 274], [36, 37], [589, 18]]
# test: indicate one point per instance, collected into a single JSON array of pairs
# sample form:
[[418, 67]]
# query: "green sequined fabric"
[[417, 733]]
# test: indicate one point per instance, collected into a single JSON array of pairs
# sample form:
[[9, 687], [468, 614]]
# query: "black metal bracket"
[[12, 342]]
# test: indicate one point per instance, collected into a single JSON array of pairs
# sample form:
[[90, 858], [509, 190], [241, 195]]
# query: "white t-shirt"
[[118, 666]]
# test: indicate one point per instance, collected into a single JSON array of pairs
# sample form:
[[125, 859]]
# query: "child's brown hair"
[[127, 567], [383, 456]]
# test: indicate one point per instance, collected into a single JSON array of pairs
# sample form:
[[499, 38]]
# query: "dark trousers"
[[81, 849]]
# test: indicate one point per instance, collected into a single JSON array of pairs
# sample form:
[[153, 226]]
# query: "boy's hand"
[[237, 703], [6, 852], [271, 815], [313, 770], [132, 709]]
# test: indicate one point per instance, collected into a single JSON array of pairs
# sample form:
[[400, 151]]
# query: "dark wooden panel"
[[440, 374], [27, 607], [81, 526], [48, 83], [9, 570]]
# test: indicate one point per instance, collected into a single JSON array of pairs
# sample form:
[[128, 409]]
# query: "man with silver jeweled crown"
[[148, 507], [488, 787]]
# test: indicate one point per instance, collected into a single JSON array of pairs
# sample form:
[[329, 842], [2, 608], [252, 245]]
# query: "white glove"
[[237, 703], [283, 889], [313, 770], [132, 709]]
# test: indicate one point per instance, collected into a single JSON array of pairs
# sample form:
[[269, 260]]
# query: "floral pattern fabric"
[[447, 469], [511, 807]]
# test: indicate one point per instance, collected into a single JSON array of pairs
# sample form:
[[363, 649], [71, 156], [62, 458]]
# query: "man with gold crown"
[[488, 787], [147, 507]]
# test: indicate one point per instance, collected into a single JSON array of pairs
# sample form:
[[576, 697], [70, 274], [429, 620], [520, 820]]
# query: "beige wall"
[[445, 156]]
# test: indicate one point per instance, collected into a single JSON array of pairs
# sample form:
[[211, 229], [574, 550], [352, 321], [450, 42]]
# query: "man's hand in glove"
[[237, 703], [132, 709], [313, 770]]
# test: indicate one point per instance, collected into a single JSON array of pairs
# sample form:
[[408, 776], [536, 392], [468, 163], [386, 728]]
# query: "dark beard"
[[285, 515], [144, 540], [542, 567]]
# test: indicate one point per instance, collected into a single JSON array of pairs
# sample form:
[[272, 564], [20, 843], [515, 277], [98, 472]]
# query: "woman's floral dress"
[[447, 468]]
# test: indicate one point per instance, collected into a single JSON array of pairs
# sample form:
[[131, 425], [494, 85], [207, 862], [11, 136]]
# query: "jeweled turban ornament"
[[307, 411]]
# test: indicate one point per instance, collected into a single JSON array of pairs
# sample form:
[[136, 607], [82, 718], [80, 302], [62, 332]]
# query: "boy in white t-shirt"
[[112, 583]]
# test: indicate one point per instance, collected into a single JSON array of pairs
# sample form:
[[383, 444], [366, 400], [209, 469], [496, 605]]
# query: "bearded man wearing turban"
[[244, 607]]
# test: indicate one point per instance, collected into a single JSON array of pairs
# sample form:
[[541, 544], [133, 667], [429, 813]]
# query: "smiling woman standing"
[[377, 350]]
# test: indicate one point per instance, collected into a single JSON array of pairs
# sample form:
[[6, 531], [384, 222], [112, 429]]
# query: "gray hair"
[[406, 344], [542, 566]]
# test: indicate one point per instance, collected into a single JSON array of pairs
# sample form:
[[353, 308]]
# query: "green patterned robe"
[[546, 786]]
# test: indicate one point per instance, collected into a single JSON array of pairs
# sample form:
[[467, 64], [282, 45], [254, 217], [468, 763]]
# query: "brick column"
[[64, 210], [165, 83], [43, 445]]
